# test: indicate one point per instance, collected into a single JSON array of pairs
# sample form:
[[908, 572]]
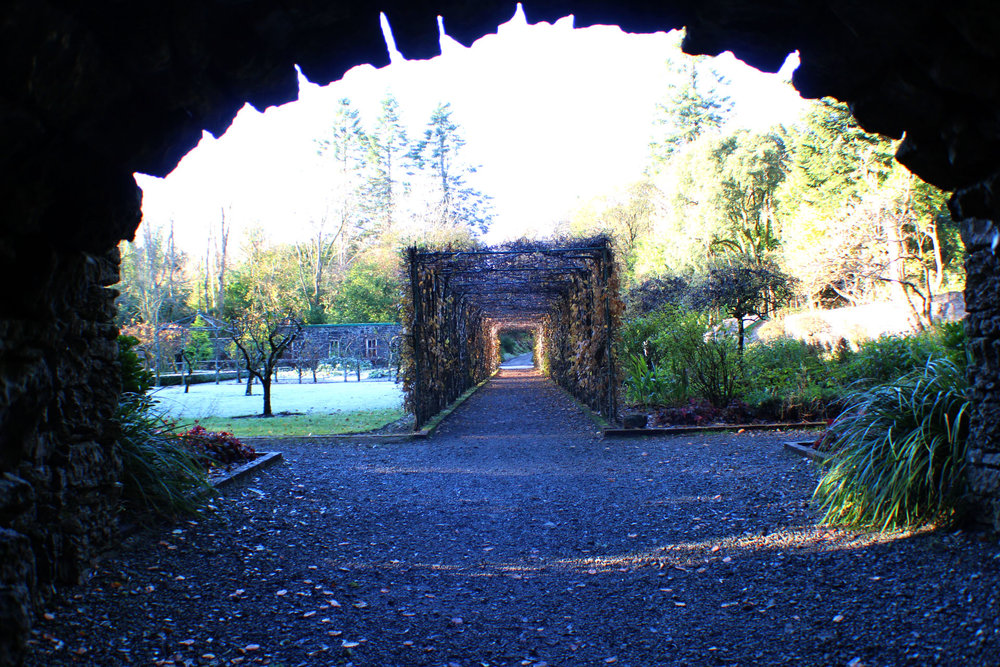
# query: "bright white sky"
[[554, 115]]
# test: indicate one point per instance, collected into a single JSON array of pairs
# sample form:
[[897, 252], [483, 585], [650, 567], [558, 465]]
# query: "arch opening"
[[458, 302]]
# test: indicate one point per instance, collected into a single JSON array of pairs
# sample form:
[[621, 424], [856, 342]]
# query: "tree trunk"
[[894, 247], [265, 383], [190, 370], [249, 391], [220, 299]]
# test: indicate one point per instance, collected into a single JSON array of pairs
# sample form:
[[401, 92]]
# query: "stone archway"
[[94, 92]]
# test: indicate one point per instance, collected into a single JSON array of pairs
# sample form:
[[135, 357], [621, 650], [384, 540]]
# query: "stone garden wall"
[[59, 383]]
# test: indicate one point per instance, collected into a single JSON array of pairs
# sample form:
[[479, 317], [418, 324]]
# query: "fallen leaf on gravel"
[[308, 614], [360, 605], [613, 659], [335, 633], [838, 618], [680, 604], [347, 644], [281, 592], [251, 647]]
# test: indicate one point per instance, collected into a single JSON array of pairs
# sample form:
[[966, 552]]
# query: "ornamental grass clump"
[[899, 451], [160, 476]]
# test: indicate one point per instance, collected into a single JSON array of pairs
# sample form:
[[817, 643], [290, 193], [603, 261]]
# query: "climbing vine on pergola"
[[458, 301]]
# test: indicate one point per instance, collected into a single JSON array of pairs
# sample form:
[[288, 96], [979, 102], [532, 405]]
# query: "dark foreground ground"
[[516, 536]]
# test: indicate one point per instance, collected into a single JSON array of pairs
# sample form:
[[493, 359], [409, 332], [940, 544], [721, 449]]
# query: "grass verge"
[[335, 423]]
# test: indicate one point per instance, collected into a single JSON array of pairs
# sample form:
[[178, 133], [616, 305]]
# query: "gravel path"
[[515, 536]]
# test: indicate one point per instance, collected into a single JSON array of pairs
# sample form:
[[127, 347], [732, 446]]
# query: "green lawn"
[[316, 424]]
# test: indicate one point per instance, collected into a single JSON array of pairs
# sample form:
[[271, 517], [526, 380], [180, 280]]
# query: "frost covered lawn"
[[325, 408], [228, 400]]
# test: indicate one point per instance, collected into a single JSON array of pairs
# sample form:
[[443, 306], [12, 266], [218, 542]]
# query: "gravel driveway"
[[516, 536]]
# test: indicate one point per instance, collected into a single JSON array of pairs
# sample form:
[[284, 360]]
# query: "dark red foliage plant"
[[217, 448]]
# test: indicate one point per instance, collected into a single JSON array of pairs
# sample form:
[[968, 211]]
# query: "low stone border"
[[265, 460], [672, 430], [805, 449]]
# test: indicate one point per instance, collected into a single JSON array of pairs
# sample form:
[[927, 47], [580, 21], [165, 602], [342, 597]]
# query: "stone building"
[[95, 91]]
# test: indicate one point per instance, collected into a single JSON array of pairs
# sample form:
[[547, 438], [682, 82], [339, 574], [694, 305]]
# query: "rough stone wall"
[[982, 324], [59, 385]]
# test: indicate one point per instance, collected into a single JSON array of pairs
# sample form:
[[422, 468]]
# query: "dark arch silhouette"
[[93, 92]]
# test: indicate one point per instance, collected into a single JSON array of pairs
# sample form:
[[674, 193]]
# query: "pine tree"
[[387, 150], [437, 153], [694, 106], [346, 148]]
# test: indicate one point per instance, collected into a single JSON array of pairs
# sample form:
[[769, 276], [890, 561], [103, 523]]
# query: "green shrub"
[[515, 343], [135, 378], [672, 358], [159, 475], [899, 451], [788, 379], [199, 346], [715, 369], [645, 385], [891, 356], [669, 340]]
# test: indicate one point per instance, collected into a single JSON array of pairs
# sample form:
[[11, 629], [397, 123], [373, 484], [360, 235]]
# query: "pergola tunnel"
[[459, 301]]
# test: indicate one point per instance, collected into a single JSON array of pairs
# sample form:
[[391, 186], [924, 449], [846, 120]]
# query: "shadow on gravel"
[[516, 536]]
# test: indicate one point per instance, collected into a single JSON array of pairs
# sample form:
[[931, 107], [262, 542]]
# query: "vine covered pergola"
[[459, 301]]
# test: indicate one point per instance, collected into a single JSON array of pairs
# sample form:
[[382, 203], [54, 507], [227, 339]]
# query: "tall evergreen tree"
[[695, 105], [387, 150], [347, 149], [437, 153], [750, 168]]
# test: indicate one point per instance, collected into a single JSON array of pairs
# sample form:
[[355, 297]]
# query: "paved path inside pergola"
[[516, 536]]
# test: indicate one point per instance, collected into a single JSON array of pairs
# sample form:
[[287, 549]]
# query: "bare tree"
[[262, 335], [314, 257], [220, 264]]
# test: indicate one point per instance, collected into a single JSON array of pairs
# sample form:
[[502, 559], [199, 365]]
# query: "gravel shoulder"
[[516, 536]]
